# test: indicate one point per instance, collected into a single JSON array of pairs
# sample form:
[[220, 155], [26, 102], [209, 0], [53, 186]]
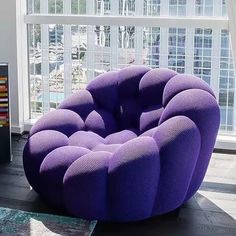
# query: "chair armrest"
[[179, 141]]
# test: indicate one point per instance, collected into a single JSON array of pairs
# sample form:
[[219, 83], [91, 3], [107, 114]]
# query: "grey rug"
[[16, 222]]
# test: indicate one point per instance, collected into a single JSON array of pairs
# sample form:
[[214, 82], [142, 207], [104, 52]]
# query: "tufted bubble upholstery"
[[136, 143]]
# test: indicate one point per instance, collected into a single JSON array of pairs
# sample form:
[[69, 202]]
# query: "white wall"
[[10, 21]]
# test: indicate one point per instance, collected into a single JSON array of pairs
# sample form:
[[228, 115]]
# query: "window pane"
[[128, 7]]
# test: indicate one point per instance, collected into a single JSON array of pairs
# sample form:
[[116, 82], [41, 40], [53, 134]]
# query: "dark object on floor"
[[5, 135], [135, 144]]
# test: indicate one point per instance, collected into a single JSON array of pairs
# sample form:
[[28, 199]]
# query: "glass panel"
[[177, 7], [33, 6], [55, 6], [223, 8], [152, 7], [56, 64], [93, 53], [35, 73], [151, 45], [176, 58], [78, 7], [79, 51], [103, 7], [204, 7], [226, 84], [128, 7], [202, 54]]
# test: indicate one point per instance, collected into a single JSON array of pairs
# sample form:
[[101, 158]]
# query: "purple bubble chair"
[[135, 144]]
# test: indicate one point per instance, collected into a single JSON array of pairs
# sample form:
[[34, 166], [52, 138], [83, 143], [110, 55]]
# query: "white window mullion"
[[67, 7], [30, 6], [114, 37], [45, 59], [234, 112], [217, 7], [164, 47], [90, 10], [189, 50], [79, 7], [215, 61], [163, 60], [138, 43], [190, 8], [231, 7], [67, 52], [164, 8]]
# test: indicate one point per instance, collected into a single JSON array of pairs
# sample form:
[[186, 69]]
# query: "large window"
[[64, 56], [226, 84]]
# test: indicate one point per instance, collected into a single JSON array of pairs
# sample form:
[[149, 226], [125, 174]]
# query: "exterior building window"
[[35, 71], [103, 7], [103, 36], [33, 6], [176, 58], [223, 8], [126, 36], [126, 7], [152, 7], [79, 51], [177, 7], [55, 6], [202, 53], [226, 84], [204, 7], [78, 7], [151, 44]]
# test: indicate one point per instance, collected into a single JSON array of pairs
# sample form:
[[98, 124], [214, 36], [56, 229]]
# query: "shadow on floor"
[[199, 216]]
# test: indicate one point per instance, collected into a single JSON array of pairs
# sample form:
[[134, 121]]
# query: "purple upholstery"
[[101, 122], [136, 143], [150, 118]]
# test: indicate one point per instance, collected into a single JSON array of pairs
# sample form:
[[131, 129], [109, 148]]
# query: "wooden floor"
[[212, 211]]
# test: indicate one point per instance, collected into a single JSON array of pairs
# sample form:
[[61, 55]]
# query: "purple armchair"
[[136, 143]]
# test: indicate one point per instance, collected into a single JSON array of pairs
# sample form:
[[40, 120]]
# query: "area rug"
[[16, 222]]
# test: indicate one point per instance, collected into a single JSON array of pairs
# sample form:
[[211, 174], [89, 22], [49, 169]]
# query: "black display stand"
[[5, 132]]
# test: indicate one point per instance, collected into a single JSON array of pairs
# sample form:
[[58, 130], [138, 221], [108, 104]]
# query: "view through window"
[[64, 58]]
